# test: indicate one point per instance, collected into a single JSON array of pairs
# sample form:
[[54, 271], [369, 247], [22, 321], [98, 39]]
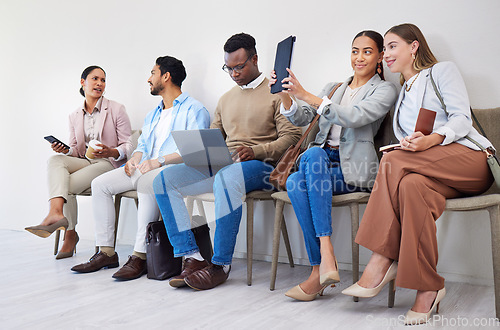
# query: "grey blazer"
[[360, 122]]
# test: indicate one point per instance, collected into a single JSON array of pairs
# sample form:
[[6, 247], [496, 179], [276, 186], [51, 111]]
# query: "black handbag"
[[160, 260]]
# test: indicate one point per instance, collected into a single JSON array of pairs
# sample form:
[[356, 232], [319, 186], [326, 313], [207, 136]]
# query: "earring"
[[413, 56]]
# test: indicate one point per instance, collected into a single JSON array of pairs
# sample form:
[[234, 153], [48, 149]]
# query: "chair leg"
[[201, 209], [494, 212], [278, 220], [284, 232], [118, 201], [190, 205], [56, 241], [250, 205], [354, 208]]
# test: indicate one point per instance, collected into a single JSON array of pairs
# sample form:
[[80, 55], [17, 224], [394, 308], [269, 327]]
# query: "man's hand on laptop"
[[242, 154]]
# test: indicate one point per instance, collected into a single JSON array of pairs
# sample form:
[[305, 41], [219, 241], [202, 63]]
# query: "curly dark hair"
[[241, 40]]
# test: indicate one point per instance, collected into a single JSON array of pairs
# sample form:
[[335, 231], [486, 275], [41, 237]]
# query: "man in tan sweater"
[[257, 134]]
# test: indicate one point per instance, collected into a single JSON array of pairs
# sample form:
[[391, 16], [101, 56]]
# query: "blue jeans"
[[229, 185], [310, 189]]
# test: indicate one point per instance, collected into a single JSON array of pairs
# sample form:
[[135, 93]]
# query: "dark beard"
[[156, 90]]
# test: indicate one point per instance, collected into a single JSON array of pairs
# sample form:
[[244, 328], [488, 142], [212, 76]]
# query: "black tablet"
[[282, 61]]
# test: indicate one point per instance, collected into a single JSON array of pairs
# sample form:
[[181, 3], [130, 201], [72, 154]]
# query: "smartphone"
[[53, 139]]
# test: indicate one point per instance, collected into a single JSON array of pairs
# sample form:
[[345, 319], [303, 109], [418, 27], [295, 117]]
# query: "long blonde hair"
[[424, 58]]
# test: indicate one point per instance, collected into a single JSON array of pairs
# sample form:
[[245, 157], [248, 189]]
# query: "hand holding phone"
[[57, 145]]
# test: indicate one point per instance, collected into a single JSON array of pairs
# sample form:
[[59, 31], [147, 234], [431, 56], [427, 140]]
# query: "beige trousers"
[[409, 195], [68, 176]]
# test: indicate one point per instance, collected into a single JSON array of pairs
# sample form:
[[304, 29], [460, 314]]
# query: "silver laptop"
[[204, 149]]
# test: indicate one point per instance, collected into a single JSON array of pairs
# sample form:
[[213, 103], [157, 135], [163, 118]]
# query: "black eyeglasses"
[[237, 68]]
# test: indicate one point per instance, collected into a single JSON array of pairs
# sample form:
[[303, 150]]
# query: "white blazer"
[[451, 86]]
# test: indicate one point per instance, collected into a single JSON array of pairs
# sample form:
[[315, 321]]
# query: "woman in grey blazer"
[[342, 158], [414, 182]]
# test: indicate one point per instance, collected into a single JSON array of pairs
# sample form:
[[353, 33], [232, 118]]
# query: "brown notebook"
[[425, 121], [425, 124]]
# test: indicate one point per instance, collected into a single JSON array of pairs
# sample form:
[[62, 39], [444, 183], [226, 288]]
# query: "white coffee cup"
[[93, 146]]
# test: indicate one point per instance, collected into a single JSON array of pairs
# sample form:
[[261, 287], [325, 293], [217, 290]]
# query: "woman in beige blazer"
[[70, 172]]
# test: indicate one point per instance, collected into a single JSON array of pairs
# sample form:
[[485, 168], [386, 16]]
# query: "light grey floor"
[[39, 292]]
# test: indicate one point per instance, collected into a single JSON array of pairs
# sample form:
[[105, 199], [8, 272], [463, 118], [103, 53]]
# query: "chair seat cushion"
[[256, 194], [338, 200], [472, 203], [129, 194]]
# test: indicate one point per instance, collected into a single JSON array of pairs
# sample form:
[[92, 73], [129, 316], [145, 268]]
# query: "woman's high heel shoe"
[[297, 293], [62, 255], [46, 231], [356, 290], [414, 318], [330, 277]]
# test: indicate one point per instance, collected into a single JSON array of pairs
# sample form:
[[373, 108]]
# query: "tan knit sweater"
[[252, 118]]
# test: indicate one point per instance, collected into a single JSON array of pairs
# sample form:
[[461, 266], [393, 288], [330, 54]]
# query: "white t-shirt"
[[162, 130], [408, 113], [333, 138]]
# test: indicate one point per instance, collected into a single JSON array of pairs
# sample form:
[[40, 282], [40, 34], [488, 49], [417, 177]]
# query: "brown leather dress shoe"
[[134, 268], [96, 262], [207, 278], [189, 266]]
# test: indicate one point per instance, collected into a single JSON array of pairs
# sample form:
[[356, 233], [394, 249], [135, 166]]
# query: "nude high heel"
[[330, 277], [414, 318], [356, 290], [62, 255], [46, 231], [297, 293]]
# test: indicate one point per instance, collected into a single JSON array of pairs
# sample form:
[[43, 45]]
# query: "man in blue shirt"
[[155, 149]]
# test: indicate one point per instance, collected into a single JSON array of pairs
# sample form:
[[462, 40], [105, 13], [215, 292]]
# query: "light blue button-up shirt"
[[187, 113]]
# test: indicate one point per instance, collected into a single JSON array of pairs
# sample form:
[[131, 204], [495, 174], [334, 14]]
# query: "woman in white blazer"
[[70, 172], [414, 181], [342, 157]]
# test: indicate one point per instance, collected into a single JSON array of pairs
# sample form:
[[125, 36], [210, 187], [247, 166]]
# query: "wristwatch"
[[161, 160]]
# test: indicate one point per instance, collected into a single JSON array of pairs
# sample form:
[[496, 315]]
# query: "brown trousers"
[[409, 194]]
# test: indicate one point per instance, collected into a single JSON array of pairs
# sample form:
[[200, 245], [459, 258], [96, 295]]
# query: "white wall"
[[46, 44]]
